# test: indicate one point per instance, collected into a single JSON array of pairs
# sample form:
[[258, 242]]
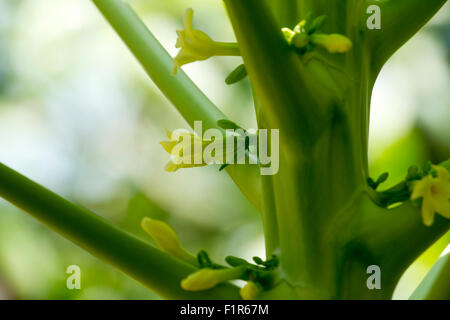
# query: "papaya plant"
[[312, 65]]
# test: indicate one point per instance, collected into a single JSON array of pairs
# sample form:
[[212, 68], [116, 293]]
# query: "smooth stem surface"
[[192, 104], [136, 258], [276, 73], [389, 238], [227, 49], [436, 284]]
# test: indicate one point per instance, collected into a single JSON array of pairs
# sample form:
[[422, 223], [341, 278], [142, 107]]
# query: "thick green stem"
[[276, 72], [317, 180], [270, 223], [368, 234], [136, 258]]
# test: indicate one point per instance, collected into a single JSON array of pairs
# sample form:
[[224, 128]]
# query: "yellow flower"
[[207, 278], [188, 150], [180, 145], [196, 45], [166, 239], [250, 291], [333, 43], [288, 34], [435, 194]]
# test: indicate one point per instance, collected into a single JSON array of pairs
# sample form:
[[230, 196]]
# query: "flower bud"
[[166, 239], [207, 278], [333, 43]]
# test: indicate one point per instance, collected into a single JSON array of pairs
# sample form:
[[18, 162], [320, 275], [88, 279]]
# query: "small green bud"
[[383, 178], [333, 43], [258, 260], [235, 261], [236, 75]]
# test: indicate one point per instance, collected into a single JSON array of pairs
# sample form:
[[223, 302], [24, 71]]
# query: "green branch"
[[141, 261], [400, 20], [389, 238], [276, 72], [187, 98]]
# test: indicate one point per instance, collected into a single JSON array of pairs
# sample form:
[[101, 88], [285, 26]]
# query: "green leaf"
[[235, 261], [382, 178], [203, 259], [258, 260], [236, 75], [317, 24]]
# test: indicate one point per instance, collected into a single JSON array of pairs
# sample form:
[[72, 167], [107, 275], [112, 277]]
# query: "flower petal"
[[421, 188], [168, 145], [427, 212]]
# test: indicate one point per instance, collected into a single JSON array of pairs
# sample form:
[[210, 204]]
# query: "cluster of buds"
[[305, 37], [210, 274]]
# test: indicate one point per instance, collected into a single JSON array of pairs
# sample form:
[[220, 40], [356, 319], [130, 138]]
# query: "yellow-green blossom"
[[288, 34], [207, 278], [188, 150], [196, 45], [435, 194], [181, 149], [250, 291], [333, 43], [166, 239]]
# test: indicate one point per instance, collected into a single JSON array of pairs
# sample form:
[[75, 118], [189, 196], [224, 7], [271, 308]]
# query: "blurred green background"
[[79, 115]]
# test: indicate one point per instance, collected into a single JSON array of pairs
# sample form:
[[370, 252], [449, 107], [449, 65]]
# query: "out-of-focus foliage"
[[78, 115]]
